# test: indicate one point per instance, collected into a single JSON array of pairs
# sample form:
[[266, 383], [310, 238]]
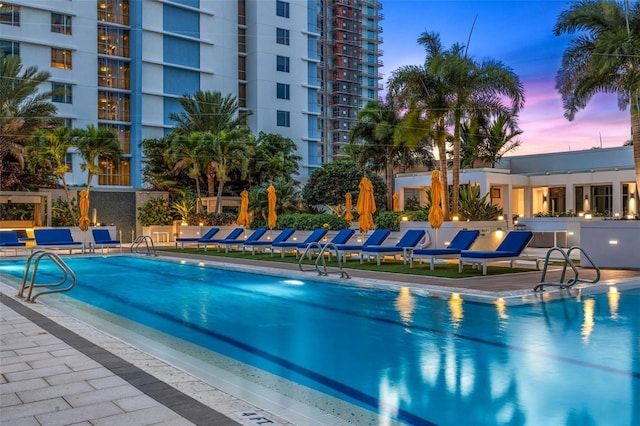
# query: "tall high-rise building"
[[350, 68], [124, 64]]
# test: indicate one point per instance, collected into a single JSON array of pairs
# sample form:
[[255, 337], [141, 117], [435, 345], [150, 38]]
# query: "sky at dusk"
[[519, 34]]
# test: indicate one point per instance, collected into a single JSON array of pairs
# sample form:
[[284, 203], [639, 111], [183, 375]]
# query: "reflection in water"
[[502, 308], [455, 306], [614, 298], [587, 321], [405, 304]]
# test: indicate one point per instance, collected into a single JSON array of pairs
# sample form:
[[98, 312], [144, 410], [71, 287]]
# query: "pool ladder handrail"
[[567, 262], [35, 257], [322, 248], [143, 239]]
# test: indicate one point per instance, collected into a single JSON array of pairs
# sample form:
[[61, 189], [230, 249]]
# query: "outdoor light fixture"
[[581, 214], [588, 216], [613, 242], [405, 219], [456, 218]]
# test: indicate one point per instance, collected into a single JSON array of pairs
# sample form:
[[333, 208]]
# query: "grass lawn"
[[448, 270]]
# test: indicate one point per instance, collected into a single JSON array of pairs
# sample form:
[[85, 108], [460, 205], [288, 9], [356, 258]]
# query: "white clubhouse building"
[[597, 181]]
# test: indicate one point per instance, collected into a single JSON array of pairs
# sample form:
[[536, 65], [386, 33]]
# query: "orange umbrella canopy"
[[348, 206], [436, 215], [366, 205], [396, 202], [243, 216], [84, 221], [271, 198]]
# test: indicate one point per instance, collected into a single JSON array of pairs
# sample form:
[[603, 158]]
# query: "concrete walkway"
[[50, 375]]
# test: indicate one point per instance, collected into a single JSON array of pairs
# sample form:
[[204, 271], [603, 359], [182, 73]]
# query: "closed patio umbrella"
[[396, 202], [243, 216], [84, 221], [436, 215], [366, 205], [348, 207], [271, 198]]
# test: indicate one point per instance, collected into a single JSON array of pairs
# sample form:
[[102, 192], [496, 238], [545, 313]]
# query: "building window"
[[113, 73], [284, 119], [282, 36], [282, 8], [283, 91], [282, 63], [114, 174], [9, 14], [113, 41], [61, 58], [9, 48], [114, 11], [123, 131], [60, 23], [61, 93], [602, 199], [113, 106], [68, 162]]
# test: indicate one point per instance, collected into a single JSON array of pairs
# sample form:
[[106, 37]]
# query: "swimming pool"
[[409, 358]]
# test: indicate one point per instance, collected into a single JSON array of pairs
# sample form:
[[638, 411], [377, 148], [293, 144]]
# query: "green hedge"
[[305, 222]]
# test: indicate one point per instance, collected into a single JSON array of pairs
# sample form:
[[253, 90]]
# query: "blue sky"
[[519, 34]]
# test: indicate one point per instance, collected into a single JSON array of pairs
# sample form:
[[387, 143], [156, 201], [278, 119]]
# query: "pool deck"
[[56, 370]]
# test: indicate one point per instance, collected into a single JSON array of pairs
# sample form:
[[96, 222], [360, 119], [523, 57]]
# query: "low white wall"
[[545, 224], [611, 243]]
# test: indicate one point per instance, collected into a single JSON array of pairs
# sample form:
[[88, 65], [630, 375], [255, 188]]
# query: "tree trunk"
[[442, 153], [198, 196], [456, 162], [635, 136], [219, 197], [68, 194], [211, 182]]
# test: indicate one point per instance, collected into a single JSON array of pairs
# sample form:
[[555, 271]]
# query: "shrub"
[[156, 211], [388, 220], [211, 219], [305, 222]]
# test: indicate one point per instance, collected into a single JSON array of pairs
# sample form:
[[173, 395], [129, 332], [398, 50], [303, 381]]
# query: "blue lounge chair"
[[510, 248], [375, 239], [102, 239], [342, 237], [233, 235], [463, 240], [56, 238], [285, 246], [255, 236], [209, 235], [9, 241], [409, 240], [284, 235]]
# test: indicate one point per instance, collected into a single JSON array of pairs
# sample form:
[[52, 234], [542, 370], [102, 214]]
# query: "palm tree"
[[375, 126], [185, 153], [48, 149], [472, 85], [209, 112], [604, 57], [378, 139], [97, 144], [486, 138], [428, 100], [226, 151], [23, 109]]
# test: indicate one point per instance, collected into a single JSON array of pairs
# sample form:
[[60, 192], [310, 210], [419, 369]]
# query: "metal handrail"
[[135, 245], [35, 257], [567, 262], [322, 249]]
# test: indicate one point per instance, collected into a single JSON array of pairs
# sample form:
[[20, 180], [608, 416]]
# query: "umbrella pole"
[[436, 233]]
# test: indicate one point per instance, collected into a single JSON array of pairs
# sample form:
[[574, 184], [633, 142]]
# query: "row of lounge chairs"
[[409, 247], [58, 239]]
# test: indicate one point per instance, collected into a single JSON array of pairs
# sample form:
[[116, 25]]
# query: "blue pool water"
[[414, 359]]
